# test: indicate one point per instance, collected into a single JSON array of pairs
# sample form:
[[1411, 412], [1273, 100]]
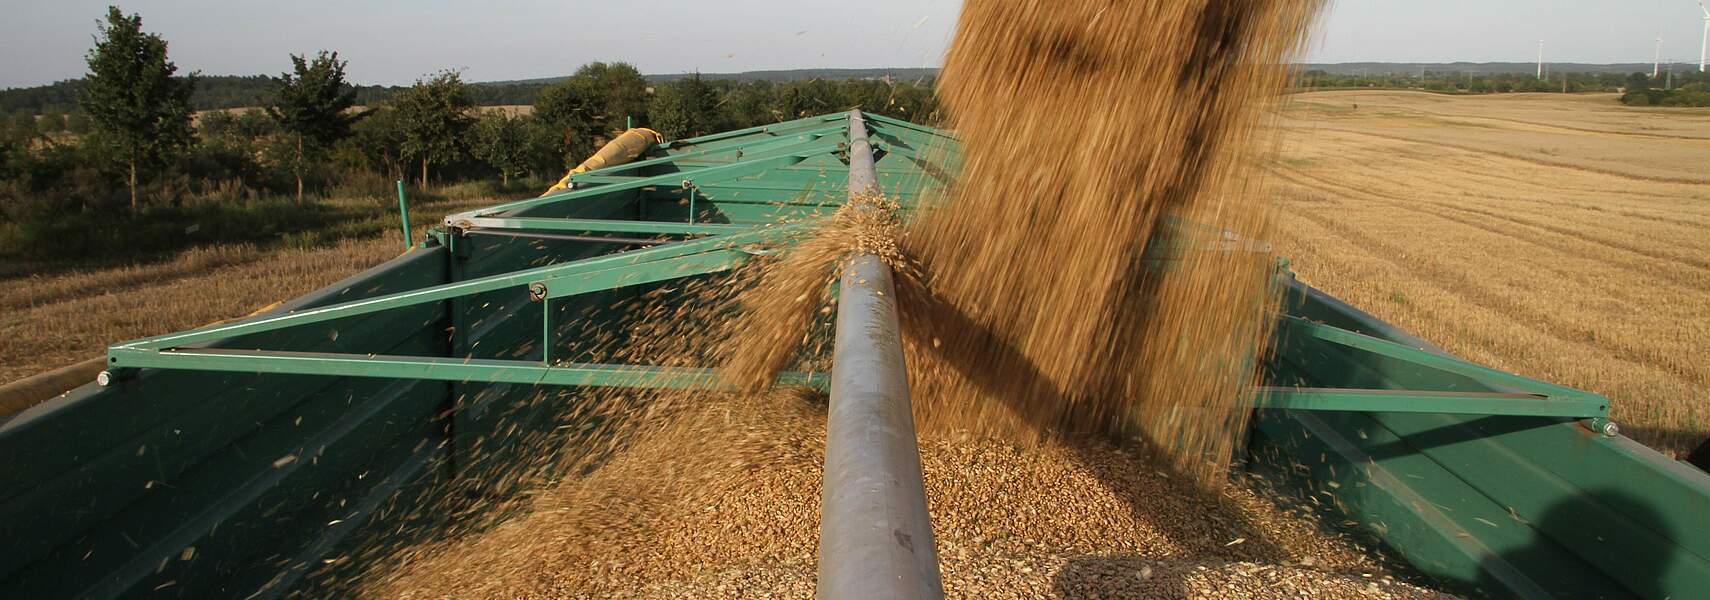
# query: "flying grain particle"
[[284, 460]]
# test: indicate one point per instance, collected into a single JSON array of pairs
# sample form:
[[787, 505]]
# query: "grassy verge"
[[88, 240], [54, 313]]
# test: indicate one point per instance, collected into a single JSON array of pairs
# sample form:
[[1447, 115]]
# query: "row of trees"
[[215, 92], [1487, 83], [135, 139], [1642, 90], [134, 110]]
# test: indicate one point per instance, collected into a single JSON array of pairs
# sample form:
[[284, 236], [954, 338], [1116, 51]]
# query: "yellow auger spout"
[[626, 147]]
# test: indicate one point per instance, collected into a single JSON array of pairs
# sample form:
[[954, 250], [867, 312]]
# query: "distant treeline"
[[118, 162], [1684, 88], [1472, 68], [1460, 82], [215, 92]]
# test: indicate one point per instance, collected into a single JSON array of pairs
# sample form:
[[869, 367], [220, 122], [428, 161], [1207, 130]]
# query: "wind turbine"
[[1704, 43], [1541, 51], [1656, 61]]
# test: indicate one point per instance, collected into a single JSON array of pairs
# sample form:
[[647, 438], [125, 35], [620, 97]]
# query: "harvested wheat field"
[[1561, 237], [49, 321]]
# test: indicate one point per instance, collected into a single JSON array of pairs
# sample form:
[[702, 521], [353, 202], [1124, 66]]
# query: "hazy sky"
[[393, 41]]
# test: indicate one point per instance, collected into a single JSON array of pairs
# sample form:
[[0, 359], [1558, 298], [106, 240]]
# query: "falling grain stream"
[[1078, 398]]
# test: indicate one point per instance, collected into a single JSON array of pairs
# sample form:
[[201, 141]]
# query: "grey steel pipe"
[[863, 178], [875, 535]]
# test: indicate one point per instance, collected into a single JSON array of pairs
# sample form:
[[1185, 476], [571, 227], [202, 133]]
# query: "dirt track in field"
[[1560, 237]]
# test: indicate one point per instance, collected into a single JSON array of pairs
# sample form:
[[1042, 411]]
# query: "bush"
[[116, 233]]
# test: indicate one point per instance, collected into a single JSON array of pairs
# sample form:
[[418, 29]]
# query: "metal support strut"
[[875, 535]]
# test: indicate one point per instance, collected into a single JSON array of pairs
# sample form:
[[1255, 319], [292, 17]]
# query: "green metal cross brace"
[[621, 265]]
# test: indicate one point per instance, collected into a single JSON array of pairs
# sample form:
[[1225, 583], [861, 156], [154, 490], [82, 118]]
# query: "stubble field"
[[56, 319], [1561, 237]]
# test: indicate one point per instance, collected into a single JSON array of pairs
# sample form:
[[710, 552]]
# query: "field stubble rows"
[[1587, 263], [49, 321]]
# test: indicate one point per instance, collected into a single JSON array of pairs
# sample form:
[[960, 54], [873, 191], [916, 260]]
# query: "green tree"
[[433, 116], [749, 104], [21, 128], [685, 107], [798, 99], [1638, 82], [543, 148], [376, 144], [567, 108], [619, 94], [499, 141], [53, 121], [597, 100], [312, 106], [77, 123], [133, 96]]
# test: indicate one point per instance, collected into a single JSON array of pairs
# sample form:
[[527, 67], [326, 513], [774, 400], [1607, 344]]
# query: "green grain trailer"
[[237, 459]]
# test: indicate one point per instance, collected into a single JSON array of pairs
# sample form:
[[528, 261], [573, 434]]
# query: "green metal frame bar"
[[1430, 360], [1581, 405], [1410, 401], [653, 272], [791, 154], [404, 215], [731, 246], [440, 368], [593, 176], [778, 130], [604, 226], [636, 265], [901, 124], [774, 146]]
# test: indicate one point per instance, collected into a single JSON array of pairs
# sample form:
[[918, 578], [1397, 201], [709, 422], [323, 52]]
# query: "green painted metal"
[[1430, 360], [627, 264], [1449, 403], [1505, 505], [444, 369], [605, 226], [404, 215], [244, 440], [795, 151]]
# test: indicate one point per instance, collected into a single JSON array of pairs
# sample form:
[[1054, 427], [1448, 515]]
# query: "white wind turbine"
[[1656, 60], [1704, 43]]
